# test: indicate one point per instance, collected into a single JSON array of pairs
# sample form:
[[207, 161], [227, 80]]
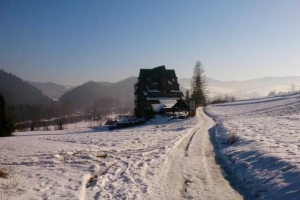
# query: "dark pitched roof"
[[144, 73], [160, 71]]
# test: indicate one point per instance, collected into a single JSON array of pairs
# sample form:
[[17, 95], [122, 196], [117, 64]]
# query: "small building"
[[156, 89]]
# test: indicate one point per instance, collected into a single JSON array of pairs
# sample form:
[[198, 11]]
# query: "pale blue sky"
[[72, 42]]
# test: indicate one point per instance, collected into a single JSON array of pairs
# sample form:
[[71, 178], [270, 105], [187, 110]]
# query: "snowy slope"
[[59, 164], [266, 156]]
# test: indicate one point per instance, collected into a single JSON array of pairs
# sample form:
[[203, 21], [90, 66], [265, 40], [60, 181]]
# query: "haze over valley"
[[84, 95]]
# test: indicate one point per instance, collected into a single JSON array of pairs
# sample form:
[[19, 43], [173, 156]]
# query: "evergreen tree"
[[198, 85], [5, 125], [187, 95]]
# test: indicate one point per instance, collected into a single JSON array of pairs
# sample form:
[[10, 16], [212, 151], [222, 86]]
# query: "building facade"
[[152, 86]]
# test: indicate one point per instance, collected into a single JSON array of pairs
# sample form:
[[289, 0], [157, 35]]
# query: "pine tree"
[[198, 85], [5, 125]]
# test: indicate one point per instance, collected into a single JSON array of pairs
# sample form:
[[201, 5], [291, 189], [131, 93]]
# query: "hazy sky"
[[72, 42]]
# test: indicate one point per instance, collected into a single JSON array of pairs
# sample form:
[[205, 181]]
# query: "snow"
[[190, 170], [168, 103], [164, 103], [153, 90], [156, 107], [165, 158], [162, 98], [57, 164], [266, 156], [162, 159]]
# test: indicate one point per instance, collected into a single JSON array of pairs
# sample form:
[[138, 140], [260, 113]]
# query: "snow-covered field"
[[59, 164], [266, 157], [82, 163], [163, 159], [166, 159]]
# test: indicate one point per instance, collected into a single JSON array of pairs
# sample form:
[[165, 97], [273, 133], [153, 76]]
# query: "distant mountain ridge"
[[249, 88], [85, 95], [16, 91], [52, 90]]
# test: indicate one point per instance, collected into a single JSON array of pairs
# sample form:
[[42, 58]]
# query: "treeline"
[[222, 99], [292, 90], [105, 106], [33, 117]]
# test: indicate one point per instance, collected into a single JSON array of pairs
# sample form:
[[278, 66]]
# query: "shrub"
[[12, 184], [101, 155], [59, 126], [233, 137], [11, 181], [220, 99], [3, 174]]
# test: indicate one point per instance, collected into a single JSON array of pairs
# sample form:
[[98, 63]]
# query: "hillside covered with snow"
[[265, 158]]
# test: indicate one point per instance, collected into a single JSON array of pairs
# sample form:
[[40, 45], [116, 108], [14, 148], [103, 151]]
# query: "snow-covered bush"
[[233, 137], [10, 180]]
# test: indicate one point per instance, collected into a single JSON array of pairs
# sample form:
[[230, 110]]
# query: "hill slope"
[[17, 91], [84, 95], [52, 90]]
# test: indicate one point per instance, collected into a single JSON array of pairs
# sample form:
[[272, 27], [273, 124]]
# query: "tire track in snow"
[[190, 170], [188, 145], [204, 178], [193, 134]]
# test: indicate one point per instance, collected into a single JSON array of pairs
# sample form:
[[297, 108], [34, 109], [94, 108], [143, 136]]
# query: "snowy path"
[[190, 170]]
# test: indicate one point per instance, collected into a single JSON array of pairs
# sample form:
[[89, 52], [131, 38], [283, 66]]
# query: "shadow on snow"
[[226, 171]]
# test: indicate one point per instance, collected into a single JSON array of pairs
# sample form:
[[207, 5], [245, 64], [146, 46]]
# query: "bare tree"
[[293, 88]]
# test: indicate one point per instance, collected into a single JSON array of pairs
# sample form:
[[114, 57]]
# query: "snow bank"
[[266, 156]]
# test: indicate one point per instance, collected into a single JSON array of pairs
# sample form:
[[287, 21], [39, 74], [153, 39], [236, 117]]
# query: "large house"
[[155, 90]]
